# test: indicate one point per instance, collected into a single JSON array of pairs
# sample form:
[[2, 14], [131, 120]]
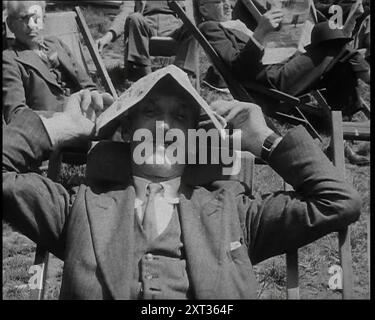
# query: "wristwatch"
[[267, 146]]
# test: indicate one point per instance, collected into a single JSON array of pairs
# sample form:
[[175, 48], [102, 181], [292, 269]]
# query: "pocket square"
[[234, 245]]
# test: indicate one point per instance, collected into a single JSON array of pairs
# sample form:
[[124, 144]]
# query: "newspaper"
[[108, 120], [294, 32]]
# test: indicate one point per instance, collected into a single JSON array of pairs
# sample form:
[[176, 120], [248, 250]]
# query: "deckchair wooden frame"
[[240, 93]]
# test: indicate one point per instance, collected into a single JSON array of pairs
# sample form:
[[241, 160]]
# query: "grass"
[[314, 259]]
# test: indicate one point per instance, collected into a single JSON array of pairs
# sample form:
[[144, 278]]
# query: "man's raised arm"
[[35, 205], [323, 202]]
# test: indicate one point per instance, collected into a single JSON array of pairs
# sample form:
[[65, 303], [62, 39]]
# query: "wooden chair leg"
[[41, 253], [41, 261], [292, 275], [344, 235]]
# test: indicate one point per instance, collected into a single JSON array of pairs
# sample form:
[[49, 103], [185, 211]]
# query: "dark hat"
[[322, 32]]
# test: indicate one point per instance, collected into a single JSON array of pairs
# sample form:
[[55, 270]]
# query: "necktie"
[[149, 219]]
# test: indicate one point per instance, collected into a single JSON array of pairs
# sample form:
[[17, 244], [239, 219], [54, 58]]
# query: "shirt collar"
[[171, 188]]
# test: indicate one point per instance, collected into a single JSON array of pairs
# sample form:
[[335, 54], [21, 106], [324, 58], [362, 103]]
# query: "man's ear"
[[203, 12], [9, 22]]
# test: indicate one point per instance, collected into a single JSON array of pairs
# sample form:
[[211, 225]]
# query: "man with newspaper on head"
[[152, 235]]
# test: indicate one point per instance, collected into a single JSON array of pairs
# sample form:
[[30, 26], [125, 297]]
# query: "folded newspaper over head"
[[170, 79]]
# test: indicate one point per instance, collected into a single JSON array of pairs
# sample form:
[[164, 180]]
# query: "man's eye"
[[149, 112], [181, 116]]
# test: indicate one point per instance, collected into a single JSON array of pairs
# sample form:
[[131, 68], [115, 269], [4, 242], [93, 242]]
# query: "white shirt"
[[164, 202]]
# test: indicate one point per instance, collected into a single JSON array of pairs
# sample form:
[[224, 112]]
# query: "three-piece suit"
[[221, 229]]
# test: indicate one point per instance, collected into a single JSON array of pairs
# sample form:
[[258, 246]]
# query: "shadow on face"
[[215, 10], [25, 20], [159, 122]]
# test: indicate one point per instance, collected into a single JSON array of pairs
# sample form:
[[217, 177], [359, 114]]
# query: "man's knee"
[[136, 19]]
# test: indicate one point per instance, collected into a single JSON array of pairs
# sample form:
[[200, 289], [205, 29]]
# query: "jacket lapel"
[[201, 223], [31, 59], [66, 59], [111, 218]]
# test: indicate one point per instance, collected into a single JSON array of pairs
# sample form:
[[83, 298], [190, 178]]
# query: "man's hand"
[[104, 41], [267, 23], [77, 121], [248, 119]]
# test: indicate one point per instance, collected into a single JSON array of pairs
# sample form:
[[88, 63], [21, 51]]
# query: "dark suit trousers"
[[308, 71], [139, 29]]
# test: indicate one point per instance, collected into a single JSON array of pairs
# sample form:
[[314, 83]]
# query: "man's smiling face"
[[158, 114]]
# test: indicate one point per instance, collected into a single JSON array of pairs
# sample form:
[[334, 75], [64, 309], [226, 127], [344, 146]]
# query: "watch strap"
[[267, 146]]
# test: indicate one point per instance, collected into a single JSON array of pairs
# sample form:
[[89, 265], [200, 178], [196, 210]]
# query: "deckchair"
[[240, 93], [69, 26], [322, 107], [237, 90]]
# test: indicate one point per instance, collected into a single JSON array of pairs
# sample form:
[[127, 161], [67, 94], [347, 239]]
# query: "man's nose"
[[163, 125], [361, 9], [226, 4], [32, 23]]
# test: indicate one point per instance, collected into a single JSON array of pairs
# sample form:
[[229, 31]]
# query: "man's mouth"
[[33, 34], [164, 145]]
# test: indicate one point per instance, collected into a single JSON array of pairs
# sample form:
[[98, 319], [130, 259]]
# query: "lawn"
[[314, 259]]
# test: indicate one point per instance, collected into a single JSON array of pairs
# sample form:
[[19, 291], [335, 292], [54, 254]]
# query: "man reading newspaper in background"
[[151, 18], [152, 235], [243, 51]]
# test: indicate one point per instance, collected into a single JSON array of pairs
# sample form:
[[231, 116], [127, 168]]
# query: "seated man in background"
[[38, 72], [152, 236], [242, 50], [151, 18]]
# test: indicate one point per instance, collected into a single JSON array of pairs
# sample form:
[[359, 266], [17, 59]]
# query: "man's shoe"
[[134, 71], [215, 81], [355, 158]]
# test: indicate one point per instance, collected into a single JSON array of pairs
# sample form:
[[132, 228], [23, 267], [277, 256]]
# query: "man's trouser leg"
[[186, 54], [138, 32], [303, 71]]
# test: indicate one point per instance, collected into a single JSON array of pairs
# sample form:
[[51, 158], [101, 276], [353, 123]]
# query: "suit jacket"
[[237, 50], [27, 81], [299, 73], [91, 228]]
